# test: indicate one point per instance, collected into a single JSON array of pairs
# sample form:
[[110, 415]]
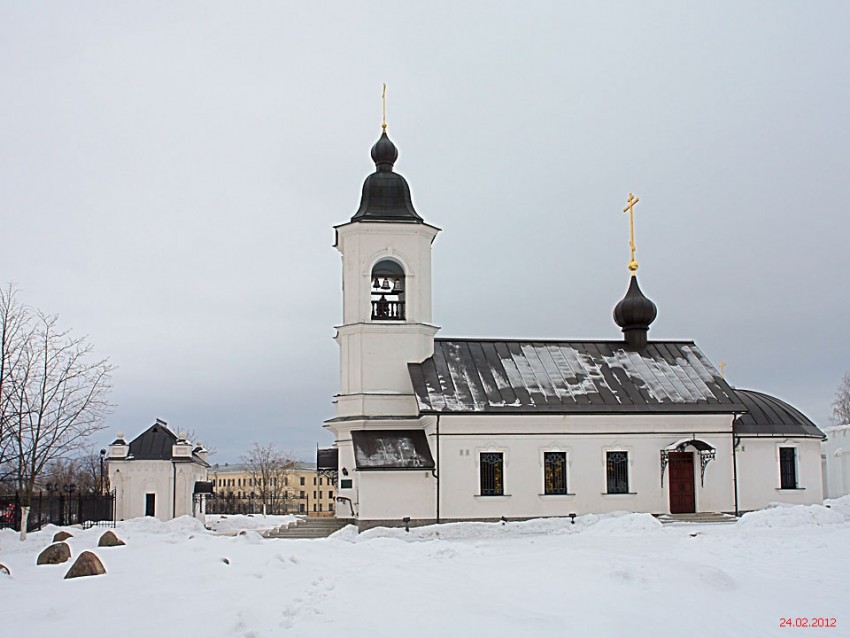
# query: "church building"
[[430, 429], [159, 474]]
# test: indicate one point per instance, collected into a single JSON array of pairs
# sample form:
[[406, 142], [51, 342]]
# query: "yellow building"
[[296, 491]]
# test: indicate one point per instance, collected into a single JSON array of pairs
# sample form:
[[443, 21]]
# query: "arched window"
[[387, 292]]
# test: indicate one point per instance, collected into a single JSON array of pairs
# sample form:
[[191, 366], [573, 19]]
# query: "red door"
[[681, 467]]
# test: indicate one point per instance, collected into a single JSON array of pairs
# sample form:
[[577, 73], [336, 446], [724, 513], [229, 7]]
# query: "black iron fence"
[[59, 508], [229, 504]]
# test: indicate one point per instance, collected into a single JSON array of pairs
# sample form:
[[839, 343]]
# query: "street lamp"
[[102, 454], [69, 488]]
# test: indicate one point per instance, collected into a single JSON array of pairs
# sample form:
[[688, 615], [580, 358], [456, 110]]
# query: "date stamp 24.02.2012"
[[809, 622]]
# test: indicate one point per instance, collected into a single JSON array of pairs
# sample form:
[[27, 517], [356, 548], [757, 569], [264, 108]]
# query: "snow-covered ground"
[[234, 523], [612, 575]]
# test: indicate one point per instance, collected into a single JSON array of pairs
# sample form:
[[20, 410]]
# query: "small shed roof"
[[391, 450]]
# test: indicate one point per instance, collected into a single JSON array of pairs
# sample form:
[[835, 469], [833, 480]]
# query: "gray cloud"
[[170, 175]]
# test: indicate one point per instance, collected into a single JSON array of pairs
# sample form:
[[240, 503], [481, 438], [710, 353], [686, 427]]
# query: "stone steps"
[[698, 517], [309, 528]]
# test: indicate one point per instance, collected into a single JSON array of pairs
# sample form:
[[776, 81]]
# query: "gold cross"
[[633, 265], [384, 107], [723, 370]]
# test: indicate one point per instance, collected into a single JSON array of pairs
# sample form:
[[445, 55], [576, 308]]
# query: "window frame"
[[617, 482], [788, 468], [495, 477], [551, 489]]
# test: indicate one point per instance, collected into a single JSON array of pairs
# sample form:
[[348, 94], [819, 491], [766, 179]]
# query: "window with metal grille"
[[787, 468], [492, 474], [618, 472], [555, 472]]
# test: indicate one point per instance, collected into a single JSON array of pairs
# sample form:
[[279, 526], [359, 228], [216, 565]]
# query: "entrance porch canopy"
[[706, 455]]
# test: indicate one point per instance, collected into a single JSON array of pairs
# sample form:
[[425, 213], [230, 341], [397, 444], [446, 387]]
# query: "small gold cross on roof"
[[633, 265]]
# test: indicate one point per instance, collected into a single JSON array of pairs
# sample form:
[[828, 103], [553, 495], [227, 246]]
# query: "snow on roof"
[[504, 376]]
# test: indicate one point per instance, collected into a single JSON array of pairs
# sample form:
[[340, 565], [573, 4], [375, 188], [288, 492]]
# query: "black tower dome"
[[386, 195], [633, 314]]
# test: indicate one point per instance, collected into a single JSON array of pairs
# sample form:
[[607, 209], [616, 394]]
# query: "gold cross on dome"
[[722, 365], [633, 265], [384, 107]]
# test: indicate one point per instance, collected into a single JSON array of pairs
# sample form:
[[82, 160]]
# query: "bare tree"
[[83, 472], [15, 332], [53, 393], [841, 402], [268, 469], [192, 436]]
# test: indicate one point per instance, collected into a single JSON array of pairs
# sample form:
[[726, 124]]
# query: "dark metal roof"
[[154, 444], [391, 450], [508, 376], [203, 487], [769, 416], [386, 195]]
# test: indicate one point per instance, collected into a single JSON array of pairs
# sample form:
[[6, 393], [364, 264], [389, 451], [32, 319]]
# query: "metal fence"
[[228, 504], [59, 508]]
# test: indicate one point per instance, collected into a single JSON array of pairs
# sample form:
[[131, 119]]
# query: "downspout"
[[735, 442], [436, 472], [173, 489]]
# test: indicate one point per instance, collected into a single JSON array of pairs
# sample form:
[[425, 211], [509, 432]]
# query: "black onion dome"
[[634, 314], [384, 153], [386, 195]]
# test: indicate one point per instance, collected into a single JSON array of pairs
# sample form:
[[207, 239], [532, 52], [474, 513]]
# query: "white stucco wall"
[[396, 494], [134, 479], [836, 454], [586, 440], [374, 354], [523, 440], [759, 478]]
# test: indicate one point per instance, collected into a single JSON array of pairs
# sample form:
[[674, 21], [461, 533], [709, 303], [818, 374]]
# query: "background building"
[[836, 460], [294, 490]]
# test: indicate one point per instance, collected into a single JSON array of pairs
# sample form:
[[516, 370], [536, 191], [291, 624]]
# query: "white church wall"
[[134, 479], [395, 494], [363, 244], [836, 455], [759, 472], [347, 500], [374, 354], [586, 464]]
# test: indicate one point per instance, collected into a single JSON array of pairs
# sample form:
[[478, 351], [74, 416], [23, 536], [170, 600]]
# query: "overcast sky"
[[170, 173]]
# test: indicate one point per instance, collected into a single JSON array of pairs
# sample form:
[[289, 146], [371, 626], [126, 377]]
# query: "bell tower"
[[386, 289]]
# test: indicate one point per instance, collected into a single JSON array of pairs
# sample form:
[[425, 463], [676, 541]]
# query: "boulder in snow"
[[4, 571], [87, 564], [109, 539], [62, 535], [54, 555]]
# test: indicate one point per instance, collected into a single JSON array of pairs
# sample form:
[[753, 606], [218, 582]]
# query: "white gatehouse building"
[[432, 429]]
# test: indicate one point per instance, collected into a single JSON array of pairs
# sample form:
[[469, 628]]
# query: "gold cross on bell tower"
[[384, 107], [633, 265]]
